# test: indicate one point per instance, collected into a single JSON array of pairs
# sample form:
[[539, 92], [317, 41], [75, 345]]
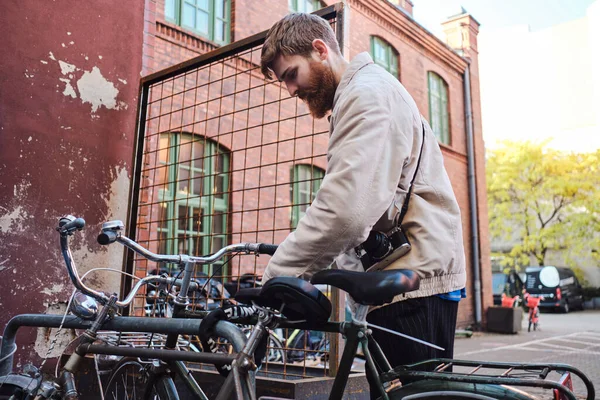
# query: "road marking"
[[517, 345], [579, 341]]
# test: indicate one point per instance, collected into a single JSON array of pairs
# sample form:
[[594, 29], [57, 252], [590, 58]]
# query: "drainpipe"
[[472, 197]]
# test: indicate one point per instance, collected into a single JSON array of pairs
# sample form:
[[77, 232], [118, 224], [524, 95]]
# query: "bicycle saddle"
[[370, 288], [299, 298]]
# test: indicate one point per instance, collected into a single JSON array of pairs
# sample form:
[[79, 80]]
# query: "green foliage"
[[542, 199]]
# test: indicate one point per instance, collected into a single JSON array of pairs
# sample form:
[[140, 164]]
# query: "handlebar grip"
[[68, 225], [269, 249], [107, 237]]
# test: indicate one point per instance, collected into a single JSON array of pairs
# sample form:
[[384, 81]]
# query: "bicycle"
[[533, 304], [282, 302], [147, 372], [294, 303]]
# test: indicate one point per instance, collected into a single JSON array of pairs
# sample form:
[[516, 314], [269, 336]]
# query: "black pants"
[[432, 319]]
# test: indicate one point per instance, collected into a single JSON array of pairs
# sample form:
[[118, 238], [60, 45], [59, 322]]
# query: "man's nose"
[[292, 89]]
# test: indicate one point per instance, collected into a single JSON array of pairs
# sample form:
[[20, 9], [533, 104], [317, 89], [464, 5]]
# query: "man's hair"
[[293, 35]]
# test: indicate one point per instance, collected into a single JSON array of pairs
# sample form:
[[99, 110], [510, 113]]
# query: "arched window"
[[385, 55], [305, 6], [193, 192], [208, 18], [306, 181], [438, 107]]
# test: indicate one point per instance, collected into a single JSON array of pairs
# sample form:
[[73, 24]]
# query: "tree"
[[542, 199]]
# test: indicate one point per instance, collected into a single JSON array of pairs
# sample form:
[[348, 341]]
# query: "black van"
[[559, 287]]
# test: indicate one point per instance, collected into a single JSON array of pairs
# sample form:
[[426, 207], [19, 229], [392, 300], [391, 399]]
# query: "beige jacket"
[[375, 139]]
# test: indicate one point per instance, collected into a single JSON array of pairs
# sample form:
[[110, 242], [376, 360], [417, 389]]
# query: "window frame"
[[211, 204], [392, 56], [177, 9], [316, 4], [439, 107], [312, 181]]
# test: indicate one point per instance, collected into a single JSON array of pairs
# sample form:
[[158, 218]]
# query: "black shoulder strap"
[[410, 188]]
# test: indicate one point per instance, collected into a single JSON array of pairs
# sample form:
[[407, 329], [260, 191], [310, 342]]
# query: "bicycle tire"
[[275, 350], [131, 380]]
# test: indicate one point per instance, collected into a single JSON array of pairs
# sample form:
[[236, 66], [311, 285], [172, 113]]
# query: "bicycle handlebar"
[[110, 234]]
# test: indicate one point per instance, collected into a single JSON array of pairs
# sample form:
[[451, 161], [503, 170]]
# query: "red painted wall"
[[68, 100]]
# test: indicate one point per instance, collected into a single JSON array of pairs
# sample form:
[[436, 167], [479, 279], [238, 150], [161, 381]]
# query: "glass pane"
[[218, 223], [161, 175], [185, 150], [198, 155], [170, 9], [162, 215], [220, 8], [197, 183], [220, 186], [202, 22], [309, 6], [219, 31], [182, 224], [197, 245], [183, 180], [162, 243], [218, 242], [292, 5], [163, 152], [187, 15], [203, 4], [181, 244], [197, 219]]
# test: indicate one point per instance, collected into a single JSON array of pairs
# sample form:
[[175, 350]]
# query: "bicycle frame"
[[174, 358]]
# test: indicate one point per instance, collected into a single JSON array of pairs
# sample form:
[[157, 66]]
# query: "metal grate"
[[223, 157]]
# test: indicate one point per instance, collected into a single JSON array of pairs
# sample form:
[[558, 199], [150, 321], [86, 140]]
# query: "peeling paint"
[[69, 90], [44, 61], [54, 289], [123, 81], [12, 220], [45, 336], [112, 256], [97, 90], [65, 67], [52, 56]]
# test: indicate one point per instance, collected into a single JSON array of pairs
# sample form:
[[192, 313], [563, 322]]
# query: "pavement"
[[572, 338]]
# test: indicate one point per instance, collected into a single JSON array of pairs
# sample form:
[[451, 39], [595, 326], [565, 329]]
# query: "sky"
[[539, 68], [496, 14]]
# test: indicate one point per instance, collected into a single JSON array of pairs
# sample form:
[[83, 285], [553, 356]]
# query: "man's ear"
[[321, 49]]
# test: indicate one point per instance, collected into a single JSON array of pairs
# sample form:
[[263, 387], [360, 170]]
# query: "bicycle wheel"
[[275, 351], [131, 380], [431, 389]]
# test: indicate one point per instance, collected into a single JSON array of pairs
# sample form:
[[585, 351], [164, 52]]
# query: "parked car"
[[510, 284], [558, 286]]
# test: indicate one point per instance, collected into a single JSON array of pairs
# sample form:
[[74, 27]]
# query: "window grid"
[[208, 18], [385, 55], [306, 181], [438, 107], [305, 6]]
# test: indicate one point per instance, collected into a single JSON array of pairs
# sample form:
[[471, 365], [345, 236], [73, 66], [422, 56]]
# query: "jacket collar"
[[357, 63]]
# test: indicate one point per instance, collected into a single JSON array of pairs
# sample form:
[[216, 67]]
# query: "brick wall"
[[419, 52]]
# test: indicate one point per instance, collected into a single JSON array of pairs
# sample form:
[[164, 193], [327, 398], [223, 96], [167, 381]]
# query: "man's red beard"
[[320, 91]]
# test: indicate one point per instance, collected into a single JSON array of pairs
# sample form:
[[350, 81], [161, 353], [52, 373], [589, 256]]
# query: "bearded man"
[[380, 151]]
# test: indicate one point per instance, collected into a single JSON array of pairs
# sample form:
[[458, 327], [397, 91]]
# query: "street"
[[572, 338]]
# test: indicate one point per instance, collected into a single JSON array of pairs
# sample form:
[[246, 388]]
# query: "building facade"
[[68, 120], [431, 70]]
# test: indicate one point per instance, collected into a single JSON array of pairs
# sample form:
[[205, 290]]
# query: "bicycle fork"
[[67, 379]]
